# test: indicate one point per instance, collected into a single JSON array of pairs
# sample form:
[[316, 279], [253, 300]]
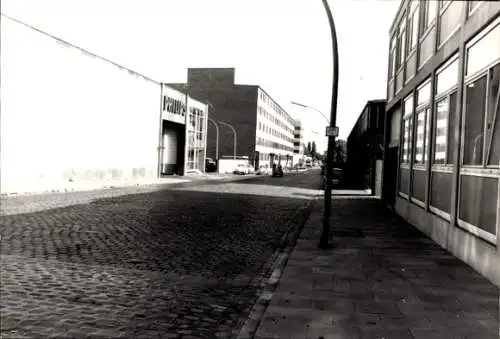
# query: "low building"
[[72, 119], [264, 130], [442, 142], [184, 126], [363, 168]]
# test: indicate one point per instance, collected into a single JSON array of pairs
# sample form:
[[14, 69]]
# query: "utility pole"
[[325, 235]]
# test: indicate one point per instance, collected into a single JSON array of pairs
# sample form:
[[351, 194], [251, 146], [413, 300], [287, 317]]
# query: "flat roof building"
[[263, 127], [442, 140]]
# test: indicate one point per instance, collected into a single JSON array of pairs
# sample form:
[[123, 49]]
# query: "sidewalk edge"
[[279, 260]]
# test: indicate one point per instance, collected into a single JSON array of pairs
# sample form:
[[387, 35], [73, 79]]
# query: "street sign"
[[332, 131]]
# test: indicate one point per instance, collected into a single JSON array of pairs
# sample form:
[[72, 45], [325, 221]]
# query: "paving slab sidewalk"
[[382, 279]]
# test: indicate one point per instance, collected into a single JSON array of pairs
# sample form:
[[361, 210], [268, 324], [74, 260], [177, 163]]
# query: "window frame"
[[401, 42], [407, 118], [471, 8], [423, 107], [470, 78], [392, 57], [438, 97], [443, 5], [413, 37], [424, 17]]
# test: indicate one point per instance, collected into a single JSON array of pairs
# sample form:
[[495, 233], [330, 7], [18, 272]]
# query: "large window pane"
[[403, 47], [427, 133], [414, 24], [452, 143], [430, 14], [493, 115], [447, 78], [424, 94], [441, 130], [406, 141], [475, 99], [484, 52], [420, 138]]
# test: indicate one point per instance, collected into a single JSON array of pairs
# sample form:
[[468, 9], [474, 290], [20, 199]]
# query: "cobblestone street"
[[182, 261]]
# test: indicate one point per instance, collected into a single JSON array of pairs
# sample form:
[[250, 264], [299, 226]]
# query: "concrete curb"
[[277, 264]]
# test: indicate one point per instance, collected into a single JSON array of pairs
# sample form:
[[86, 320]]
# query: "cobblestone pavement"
[[176, 262]]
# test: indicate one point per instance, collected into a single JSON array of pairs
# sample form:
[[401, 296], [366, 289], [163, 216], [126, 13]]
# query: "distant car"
[[210, 165], [277, 171], [241, 169]]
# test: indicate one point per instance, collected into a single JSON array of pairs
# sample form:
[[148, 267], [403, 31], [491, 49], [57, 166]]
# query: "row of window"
[[404, 42], [268, 129], [267, 156], [276, 107], [264, 113], [272, 144], [480, 136]]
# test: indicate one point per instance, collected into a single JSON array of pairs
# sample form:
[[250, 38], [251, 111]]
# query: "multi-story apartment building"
[[442, 140], [298, 143], [264, 130]]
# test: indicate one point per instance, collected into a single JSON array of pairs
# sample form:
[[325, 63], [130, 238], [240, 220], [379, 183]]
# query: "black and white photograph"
[[250, 169]]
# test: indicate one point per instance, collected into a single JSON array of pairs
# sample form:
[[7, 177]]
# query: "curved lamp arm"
[[313, 108], [234, 134]]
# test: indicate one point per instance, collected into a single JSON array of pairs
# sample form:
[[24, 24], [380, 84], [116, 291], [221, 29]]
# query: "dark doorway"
[[390, 176], [172, 146]]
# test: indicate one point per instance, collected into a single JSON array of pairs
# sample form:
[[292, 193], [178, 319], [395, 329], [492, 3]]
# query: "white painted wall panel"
[[63, 110]]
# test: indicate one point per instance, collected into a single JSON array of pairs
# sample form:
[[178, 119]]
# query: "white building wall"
[[66, 112]]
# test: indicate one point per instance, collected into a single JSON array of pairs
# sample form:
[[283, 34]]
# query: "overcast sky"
[[282, 45]]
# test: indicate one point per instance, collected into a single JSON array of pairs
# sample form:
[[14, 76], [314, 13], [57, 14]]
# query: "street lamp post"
[[216, 134], [234, 135], [325, 235]]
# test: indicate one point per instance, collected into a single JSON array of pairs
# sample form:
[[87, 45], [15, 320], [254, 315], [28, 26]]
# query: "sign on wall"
[[174, 106]]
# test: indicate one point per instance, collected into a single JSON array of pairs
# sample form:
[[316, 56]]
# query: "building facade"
[[88, 123], [183, 133], [363, 168], [264, 130], [298, 143], [442, 140]]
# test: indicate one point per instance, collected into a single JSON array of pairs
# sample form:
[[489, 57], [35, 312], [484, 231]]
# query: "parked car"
[[277, 171], [210, 165], [241, 169]]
